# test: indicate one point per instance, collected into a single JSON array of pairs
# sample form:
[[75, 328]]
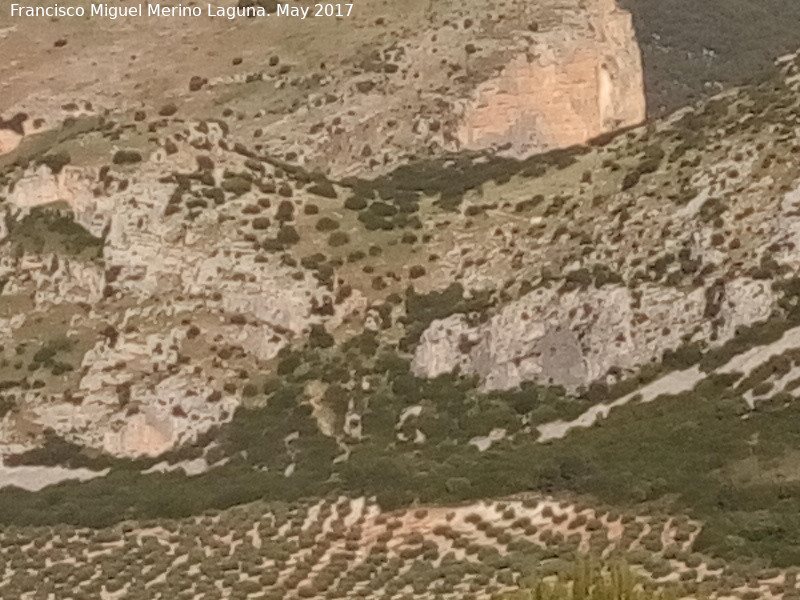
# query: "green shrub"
[[236, 185], [50, 228], [326, 224], [58, 160], [287, 235], [355, 203], [338, 238], [373, 222], [127, 157], [285, 211], [319, 337], [323, 188]]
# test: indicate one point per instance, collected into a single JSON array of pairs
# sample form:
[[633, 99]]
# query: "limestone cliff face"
[[547, 75], [9, 140], [567, 88], [575, 338], [166, 268], [535, 75]]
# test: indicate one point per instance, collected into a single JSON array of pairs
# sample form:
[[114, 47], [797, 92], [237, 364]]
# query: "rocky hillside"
[[336, 288], [162, 245], [384, 85]]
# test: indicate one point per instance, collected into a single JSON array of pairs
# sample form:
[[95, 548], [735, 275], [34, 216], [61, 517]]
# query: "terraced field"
[[340, 548]]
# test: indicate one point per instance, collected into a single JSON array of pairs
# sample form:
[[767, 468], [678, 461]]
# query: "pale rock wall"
[[51, 279], [165, 268], [152, 388], [168, 402], [579, 74], [565, 90], [72, 186], [142, 434], [57, 279], [9, 141], [574, 338]]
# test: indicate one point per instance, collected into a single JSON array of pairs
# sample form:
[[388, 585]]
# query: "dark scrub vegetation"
[[50, 228], [687, 458], [688, 453], [678, 37]]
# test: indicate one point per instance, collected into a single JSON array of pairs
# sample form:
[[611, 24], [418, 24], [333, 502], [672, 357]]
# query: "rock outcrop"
[[158, 385], [528, 77], [575, 338], [568, 87], [11, 132], [9, 140]]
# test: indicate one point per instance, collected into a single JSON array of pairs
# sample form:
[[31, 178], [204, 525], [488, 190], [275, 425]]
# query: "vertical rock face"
[[535, 75], [11, 132], [9, 140], [573, 84], [575, 338]]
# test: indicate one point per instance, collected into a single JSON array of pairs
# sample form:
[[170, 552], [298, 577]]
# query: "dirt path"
[[747, 361], [672, 383], [34, 479]]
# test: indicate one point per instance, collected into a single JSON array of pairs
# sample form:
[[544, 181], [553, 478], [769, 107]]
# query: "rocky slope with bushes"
[[223, 319], [158, 255]]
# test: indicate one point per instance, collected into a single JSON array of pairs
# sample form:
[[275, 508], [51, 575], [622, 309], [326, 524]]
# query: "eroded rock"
[[575, 338]]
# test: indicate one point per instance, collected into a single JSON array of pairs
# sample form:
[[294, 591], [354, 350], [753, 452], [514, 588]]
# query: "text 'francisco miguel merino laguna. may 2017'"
[[113, 12]]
